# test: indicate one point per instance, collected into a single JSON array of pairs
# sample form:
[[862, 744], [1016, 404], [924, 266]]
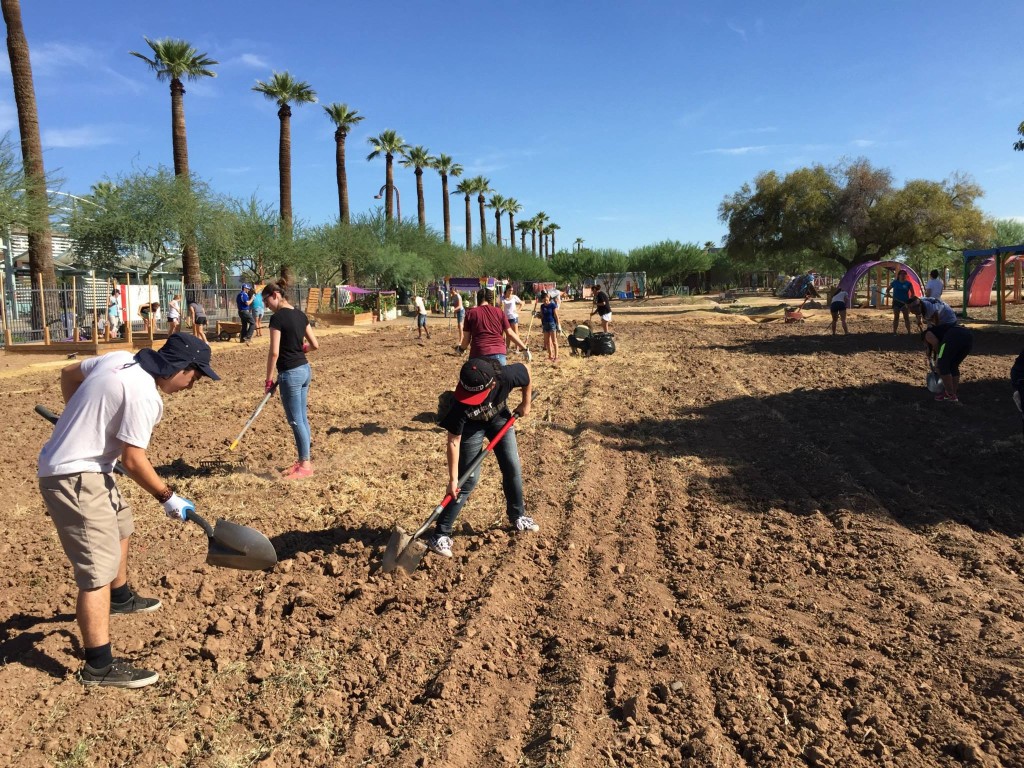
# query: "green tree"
[[418, 158], [467, 188], [143, 219], [173, 60], [550, 230], [1019, 144], [285, 90], [540, 220], [669, 261], [1006, 232], [849, 213], [481, 186], [446, 166], [389, 144], [40, 240], [344, 119], [523, 227]]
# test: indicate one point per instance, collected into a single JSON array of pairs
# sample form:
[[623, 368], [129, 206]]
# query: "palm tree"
[[40, 241], [497, 202], [418, 157], [523, 227], [481, 186], [512, 207], [579, 244], [445, 166], [550, 229], [467, 187], [389, 144], [344, 118], [539, 222], [285, 89], [173, 60]]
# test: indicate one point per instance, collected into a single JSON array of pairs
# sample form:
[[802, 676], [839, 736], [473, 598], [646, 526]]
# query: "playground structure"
[[879, 275], [992, 268]]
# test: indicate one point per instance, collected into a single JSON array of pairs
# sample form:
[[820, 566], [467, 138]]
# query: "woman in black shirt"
[[291, 336]]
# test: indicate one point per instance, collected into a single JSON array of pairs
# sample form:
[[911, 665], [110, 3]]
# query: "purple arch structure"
[[853, 275]]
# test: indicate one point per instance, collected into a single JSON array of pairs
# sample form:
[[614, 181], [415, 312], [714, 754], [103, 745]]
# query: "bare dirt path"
[[760, 545]]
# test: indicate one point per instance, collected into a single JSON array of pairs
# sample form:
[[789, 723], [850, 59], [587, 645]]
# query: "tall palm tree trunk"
[[522, 241], [348, 268], [497, 226], [511, 231], [421, 207], [533, 241], [552, 243], [284, 166], [469, 225], [40, 242], [483, 220], [389, 186], [179, 145], [447, 212]]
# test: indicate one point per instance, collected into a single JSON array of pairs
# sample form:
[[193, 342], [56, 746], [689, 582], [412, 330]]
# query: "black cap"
[[475, 380], [179, 352]]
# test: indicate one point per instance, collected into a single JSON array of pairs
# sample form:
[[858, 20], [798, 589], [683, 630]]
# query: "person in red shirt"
[[485, 330]]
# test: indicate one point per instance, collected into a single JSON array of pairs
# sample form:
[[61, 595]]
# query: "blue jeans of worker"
[[507, 454], [248, 324], [294, 387]]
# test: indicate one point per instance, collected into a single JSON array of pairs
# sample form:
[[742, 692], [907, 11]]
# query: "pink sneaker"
[[297, 472]]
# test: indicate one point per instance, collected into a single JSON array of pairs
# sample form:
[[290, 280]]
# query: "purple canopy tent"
[[853, 275]]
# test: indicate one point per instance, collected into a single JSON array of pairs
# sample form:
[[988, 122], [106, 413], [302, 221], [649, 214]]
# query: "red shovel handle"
[[466, 475]]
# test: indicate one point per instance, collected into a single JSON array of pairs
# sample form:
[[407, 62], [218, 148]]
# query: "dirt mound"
[[759, 545]]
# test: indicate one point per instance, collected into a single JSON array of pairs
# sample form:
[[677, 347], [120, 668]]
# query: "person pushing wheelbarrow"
[[480, 410]]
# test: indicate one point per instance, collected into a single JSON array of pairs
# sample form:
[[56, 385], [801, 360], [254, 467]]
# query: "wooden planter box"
[[345, 318]]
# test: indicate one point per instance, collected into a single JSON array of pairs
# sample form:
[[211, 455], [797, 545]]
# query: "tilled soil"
[[759, 545]]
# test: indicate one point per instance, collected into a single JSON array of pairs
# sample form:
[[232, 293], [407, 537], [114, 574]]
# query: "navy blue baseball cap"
[[180, 351]]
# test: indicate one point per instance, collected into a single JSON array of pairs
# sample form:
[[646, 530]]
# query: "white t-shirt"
[[840, 296], [421, 308], [115, 406], [509, 306], [938, 312], [933, 288], [556, 296]]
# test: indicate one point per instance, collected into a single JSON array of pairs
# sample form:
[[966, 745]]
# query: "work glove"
[[459, 350], [268, 385], [529, 357], [177, 508], [305, 346]]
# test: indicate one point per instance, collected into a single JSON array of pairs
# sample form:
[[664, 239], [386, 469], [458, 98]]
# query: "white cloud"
[[738, 30], [251, 60], [734, 150], [73, 138], [863, 142]]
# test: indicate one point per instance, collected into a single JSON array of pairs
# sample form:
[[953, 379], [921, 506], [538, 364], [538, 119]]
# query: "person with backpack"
[[479, 409]]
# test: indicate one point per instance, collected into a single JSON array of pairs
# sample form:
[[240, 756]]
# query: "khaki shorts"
[[91, 519]]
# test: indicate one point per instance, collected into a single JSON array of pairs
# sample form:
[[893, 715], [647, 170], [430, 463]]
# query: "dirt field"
[[760, 545]]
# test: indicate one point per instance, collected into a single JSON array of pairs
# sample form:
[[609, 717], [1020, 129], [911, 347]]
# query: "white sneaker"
[[440, 545], [525, 523]]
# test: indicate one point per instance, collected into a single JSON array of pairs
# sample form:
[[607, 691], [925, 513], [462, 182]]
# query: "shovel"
[[933, 381], [405, 551], [230, 545]]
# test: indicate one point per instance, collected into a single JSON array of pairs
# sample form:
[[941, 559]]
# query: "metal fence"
[[75, 304]]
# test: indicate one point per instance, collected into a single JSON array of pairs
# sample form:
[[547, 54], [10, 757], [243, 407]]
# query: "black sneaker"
[[135, 604], [120, 674]]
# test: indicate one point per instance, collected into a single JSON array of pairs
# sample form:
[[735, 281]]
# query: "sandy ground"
[[760, 545]]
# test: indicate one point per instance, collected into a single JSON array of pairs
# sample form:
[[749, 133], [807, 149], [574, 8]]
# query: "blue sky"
[[626, 122]]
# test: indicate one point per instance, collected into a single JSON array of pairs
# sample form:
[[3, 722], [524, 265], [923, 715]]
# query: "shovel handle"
[[259, 409], [195, 518], [465, 477]]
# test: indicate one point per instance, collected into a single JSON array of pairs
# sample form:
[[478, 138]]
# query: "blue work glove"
[[177, 508]]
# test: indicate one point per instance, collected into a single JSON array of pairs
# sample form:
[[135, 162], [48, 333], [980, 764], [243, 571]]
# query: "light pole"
[[398, 199]]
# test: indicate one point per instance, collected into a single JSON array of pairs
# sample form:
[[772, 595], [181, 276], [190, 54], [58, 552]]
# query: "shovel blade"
[[240, 547], [410, 558], [396, 545]]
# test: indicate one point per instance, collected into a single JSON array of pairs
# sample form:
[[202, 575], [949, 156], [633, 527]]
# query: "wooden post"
[[42, 309], [149, 298], [128, 317], [74, 308], [95, 319], [8, 341]]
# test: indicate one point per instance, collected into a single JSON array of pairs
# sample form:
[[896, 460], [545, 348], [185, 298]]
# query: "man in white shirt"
[[934, 287], [421, 318], [112, 405]]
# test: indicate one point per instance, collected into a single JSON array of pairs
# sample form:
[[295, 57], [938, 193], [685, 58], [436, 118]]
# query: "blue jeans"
[[507, 454], [294, 387], [501, 359]]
